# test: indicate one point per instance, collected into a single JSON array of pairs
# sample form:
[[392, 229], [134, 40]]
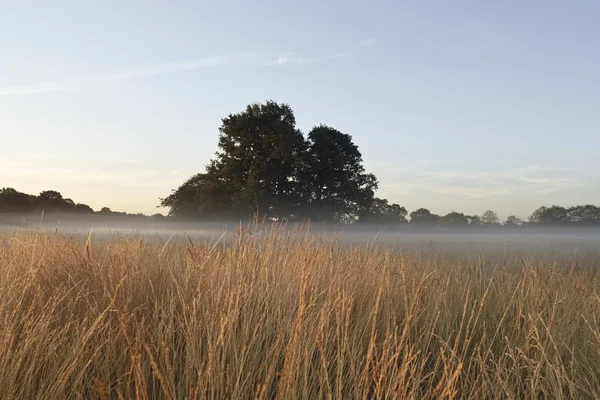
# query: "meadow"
[[287, 314]]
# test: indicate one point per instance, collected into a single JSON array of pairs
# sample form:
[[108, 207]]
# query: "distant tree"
[[105, 210], [51, 200], [550, 215], [513, 221], [83, 208], [423, 216], [490, 217], [12, 200], [588, 214], [50, 195], [455, 218], [381, 211], [473, 220]]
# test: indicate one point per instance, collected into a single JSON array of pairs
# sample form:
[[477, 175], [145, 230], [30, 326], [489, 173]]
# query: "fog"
[[555, 242]]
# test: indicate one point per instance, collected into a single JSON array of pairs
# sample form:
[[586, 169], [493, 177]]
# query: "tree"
[[423, 216], [257, 167], [490, 217], [185, 201], [105, 210], [455, 218], [12, 200], [473, 219], [550, 215], [383, 212], [51, 200], [83, 208], [334, 177], [260, 153], [588, 214], [264, 164], [513, 221]]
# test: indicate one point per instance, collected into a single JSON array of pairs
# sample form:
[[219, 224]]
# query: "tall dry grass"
[[286, 315]]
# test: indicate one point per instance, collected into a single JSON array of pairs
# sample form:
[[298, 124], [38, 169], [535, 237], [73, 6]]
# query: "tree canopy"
[[12, 200], [48, 201], [265, 164]]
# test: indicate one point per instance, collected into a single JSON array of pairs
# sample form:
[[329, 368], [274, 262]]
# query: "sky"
[[456, 106]]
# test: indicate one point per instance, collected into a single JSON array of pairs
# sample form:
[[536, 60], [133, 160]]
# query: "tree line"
[[13, 201], [49, 201]]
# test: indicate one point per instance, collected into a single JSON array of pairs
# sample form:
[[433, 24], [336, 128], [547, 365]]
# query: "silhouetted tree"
[[335, 178], [550, 215], [381, 211], [513, 221], [83, 208], [259, 156], [489, 217], [455, 218], [423, 216], [473, 220], [256, 168], [588, 214], [51, 200], [185, 201], [12, 200], [264, 164]]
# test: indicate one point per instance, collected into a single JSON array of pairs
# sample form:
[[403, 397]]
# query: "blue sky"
[[463, 105]]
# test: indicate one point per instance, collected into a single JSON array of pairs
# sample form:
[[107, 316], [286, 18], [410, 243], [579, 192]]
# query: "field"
[[287, 314]]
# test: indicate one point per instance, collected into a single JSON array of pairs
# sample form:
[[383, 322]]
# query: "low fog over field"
[[541, 241]]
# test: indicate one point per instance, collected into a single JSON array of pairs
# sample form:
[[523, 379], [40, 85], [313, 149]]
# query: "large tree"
[[260, 151], [334, 176], [256, 167], [264, 164]]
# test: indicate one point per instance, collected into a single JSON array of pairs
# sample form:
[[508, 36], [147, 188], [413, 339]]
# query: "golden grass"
[[287, 316]]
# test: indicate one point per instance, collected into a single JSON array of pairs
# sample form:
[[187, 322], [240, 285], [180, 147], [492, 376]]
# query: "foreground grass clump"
[[286, 315]]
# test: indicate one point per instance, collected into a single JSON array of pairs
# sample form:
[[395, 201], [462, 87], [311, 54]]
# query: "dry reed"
[[287, 315]]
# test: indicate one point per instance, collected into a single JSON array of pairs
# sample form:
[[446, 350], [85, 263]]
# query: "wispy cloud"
[[34, 88], [151, 70], [135, 72]]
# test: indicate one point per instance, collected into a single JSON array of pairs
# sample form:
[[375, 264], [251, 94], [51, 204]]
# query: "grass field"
[[282, 315]]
